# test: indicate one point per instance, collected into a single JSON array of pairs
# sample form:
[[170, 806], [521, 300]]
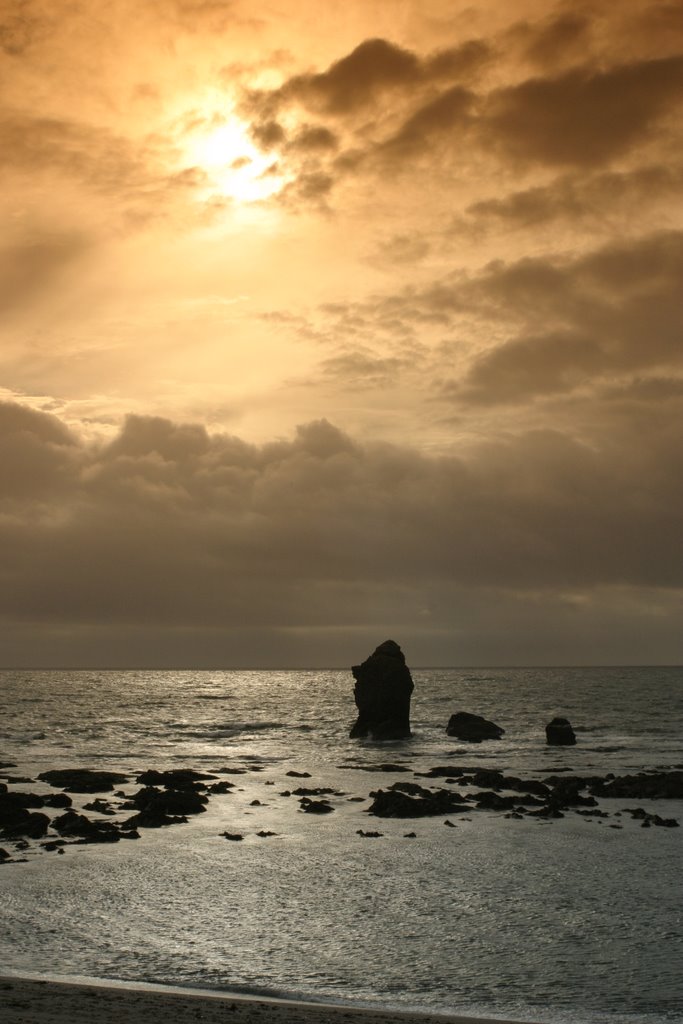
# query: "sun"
[[234, 168]]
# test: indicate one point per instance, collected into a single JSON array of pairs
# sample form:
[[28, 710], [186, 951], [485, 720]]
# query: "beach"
[[37, 1001]]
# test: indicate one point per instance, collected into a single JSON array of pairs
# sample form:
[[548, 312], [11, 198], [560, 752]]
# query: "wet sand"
[[35, 1001]]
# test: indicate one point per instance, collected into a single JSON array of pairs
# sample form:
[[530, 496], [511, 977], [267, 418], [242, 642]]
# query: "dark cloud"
[[533, 365], [383, 107], [561, 39], [168, 526], [614, 311], [380, 102], [355, 80], [447, 114], [594, 197], [584, 117], [313, 138], [546, 325], [374, 67], [538, 510], [39, 458]]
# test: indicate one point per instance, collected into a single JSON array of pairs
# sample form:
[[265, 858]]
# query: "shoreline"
[[36, 999]]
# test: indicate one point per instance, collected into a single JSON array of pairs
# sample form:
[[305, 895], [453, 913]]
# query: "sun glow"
[[234, 167]]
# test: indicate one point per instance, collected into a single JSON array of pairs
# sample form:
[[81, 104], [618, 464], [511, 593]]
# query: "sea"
[[577, 920]]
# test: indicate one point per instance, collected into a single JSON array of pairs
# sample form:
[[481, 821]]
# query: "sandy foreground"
[[34, 1001]]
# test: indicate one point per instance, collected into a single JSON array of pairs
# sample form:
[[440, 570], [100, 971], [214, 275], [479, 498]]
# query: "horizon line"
[[317, 668]]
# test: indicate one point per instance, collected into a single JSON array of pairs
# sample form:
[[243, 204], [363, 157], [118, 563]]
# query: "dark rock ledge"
[[171, 797]]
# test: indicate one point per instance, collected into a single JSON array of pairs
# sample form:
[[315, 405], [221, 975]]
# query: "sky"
[[323, 323]]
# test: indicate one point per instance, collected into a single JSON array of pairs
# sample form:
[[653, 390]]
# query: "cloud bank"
[[172, 529]]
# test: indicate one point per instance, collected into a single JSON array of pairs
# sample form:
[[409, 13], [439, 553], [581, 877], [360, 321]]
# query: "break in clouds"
[[244, 549]]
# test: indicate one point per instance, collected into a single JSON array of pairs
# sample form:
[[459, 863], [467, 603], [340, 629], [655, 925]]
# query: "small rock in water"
[[220, 788], [472, 728], [298, 775], [369, 835], [315, 806], [559, 733], [265, 834], [235, 837], [99, 806]]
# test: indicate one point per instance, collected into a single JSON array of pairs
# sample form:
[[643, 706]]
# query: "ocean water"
[[571, 921]]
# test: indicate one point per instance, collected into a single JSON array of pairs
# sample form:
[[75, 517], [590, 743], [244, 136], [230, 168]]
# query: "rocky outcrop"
[[382, 693], [159, 807], [643, 786], [315, 806], [82, 780], [472, 728], [408, 800], [20, 823], [175, 778], [559, 733], [73, 824]]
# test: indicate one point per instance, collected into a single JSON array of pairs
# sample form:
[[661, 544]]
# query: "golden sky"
[[329, 321]]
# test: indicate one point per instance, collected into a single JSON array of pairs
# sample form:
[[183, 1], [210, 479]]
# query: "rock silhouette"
[[382, 693], [472, 728], [559, 733]]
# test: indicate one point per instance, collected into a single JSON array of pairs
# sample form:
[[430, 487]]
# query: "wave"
[[194, 731]]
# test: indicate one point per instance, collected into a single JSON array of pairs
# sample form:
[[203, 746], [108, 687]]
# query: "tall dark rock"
[[382, 692]]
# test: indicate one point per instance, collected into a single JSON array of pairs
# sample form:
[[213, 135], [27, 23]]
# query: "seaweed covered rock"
[[382, 693], [559, 733], [472, 728]]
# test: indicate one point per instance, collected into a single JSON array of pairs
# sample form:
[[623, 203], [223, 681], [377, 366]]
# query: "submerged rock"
[[160, 802], [472, 728], [559, 733], [82, 780], [382, 694], [18, 822], [175, 778], [100, 807], [408, 800], [315, 806], [643, 786], [73, 824]]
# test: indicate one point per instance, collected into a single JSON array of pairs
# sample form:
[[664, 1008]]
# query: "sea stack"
[[559, 733], [382, 692]]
